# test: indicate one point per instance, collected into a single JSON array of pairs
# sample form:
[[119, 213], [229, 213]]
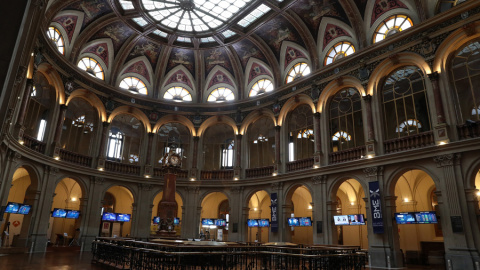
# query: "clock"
[[174, 160]]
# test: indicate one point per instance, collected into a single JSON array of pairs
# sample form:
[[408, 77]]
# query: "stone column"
[[143, 215], [318, 139], [474, 211], [193, 171], [24, 105], [370, 141], [247, 231], [238, 156], [191, 215], [236, 214], [148, 161], [103, 146], [278, 148], [330, 226], [440, 134], [320, 221], [92, 216], [58, 132], [286, 213]]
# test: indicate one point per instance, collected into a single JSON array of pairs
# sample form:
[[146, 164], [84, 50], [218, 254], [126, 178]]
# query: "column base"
[[384, 257], [462, 260]]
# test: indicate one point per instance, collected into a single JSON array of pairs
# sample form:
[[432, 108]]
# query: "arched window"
[[300, 133], [465, 75], [346, 124], [405, 103], [391, 26], [227, 154], [134, 84], [177, 94], [115, 145], [125, 139], [297, 71], [221, 94], [218, 144], [261, 143], [54, 35], [339, 51], [92, 67], [261, 87]]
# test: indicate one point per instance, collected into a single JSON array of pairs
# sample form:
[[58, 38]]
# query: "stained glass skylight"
[[126, 5], [197, 15], [255, 14]]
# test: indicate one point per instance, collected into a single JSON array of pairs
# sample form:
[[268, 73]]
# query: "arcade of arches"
[[295, 112]]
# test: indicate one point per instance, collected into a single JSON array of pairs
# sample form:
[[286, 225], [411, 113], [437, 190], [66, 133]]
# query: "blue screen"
[[156, 220], [207, 222], [405, 218], [12, 208], [426, 217], [220, 222], [176, 221], [73, 214], [24, 209], [356, 219], [109, 217], [123, 217], [252, 223], [305, 221], [293, 222], [263, 223], [59, 213]]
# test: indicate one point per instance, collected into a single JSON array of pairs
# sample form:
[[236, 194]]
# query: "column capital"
[[239, 136], [277, 185], [196, 138], [367, 98], [317, 115], [146, 187], [373, 171], [319, 179], [277, 128], [97, 180], [433, 76], [447, 160], [236, 190]]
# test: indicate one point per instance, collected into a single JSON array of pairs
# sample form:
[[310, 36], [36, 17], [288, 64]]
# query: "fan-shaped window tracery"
[[54, 35], [391, 26], [177, 94], [339, 51], [297, 71], [134, 84], [261, 87], [221, 94], [92, 67]]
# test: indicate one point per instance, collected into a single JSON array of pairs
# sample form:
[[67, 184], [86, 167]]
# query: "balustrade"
[[469, 130], [216, 175], [347, 155], [410, 142], [75, 158], [160, 172], [259, 172], [34, 144], [301, 164], [122, 168]]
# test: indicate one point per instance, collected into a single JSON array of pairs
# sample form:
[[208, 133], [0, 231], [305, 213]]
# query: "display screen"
[[220, 222], [73, 214], [263, 223], [252, 223], [156, 220], [207, 222], [357, 219], [341, 220], [24, 209], [426, 217], [123, 217], [109, 217], [12, 208], [176, 221], [59, 213], [405, 218], [305, 221], [292, 222]]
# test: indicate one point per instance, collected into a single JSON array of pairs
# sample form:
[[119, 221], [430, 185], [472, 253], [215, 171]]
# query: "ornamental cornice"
[[447, 160]]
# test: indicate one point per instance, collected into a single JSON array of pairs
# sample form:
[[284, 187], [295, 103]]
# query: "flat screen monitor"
[[74, 214], [207, 222], [156, 220], [357, 219], [12, 208], [176, 221], [109, 217], [405, 218], [59, 213], [305, 221], [220, 222], [123, 217], [341, 220], [252, 223], [426, 217], [24, 209], [263, 223], [293, 222]]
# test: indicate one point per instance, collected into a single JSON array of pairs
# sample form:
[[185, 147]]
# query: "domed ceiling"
[[205, 44]]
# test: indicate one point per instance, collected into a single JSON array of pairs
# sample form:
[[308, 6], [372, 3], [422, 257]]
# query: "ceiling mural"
[[218, 78], [217, 56], [362, 6], [292, 54], [246, 49], [332, 32], [68, 22], [93, 9], [117, 32], [257, 70], [100, 50], [147, 48], [183, 57], [179, 77], [382, 6], [139, 68], [278, 30]]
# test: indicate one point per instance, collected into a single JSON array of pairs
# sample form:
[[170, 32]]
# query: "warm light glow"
[[310, 207], [147, 176], [74, 199], [100, 169], [478, 193], [442, 142], [316, 166], [370, 156], [236, 178], [21, 142], [274, 174], [57, 158], [405, 200], [352, 203], [192, 179], [255, 209]]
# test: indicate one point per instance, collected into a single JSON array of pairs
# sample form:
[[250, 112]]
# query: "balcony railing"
[[122, 168], [34, 144], [469, 130], [347, 155], [160, 172], [301, 164], [410, 142], [216, 175], [259, 172], [75, 158]]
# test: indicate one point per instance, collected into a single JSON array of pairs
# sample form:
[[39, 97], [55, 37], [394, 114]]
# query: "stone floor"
[[66, 258]]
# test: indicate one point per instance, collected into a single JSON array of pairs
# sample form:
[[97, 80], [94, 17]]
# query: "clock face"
[[174, 160]]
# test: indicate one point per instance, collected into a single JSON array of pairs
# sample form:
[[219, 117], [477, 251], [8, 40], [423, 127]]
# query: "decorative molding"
[[98, 180], [319, 179], [277, 185], [447, 160], [236, 190], [373, 171], [21, 73], [146, 187]]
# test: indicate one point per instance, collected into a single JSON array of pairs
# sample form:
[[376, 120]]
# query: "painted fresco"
[[93, 9], [292, 54], [68, 22], [217, 56], [277, 31], [117, 32], [256, 71], [146, 48], [179, 77], [220, 77], [100, 50], [312, 12], [332, 32], [245, 49], [183, 57], [362, 6], [139, 68], [382, 6]]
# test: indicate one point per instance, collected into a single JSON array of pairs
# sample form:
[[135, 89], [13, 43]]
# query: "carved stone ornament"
[[373, 171], [236, 190], [447, 160], [21, 73], [146, 187], [277, 185], [319, 179], [98, 180]]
